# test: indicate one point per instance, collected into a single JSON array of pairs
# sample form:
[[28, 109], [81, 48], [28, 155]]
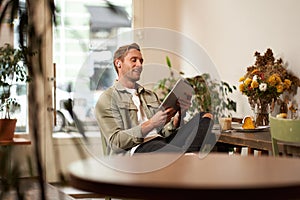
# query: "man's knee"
[[208, 115]]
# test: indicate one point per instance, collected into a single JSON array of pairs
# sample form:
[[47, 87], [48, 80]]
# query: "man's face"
[[131, 67]]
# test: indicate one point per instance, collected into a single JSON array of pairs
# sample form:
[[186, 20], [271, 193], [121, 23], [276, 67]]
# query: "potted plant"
[[12, 72]]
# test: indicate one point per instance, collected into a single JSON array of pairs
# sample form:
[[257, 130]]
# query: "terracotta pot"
[[7, 129]]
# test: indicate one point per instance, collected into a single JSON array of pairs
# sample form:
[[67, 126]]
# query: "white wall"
[[232, 30]]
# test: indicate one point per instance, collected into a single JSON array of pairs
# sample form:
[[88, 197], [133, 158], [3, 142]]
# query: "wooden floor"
[[30, 189], [79, 194]]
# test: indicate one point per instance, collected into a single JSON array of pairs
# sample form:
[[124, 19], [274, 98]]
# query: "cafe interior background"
[[229, 31]]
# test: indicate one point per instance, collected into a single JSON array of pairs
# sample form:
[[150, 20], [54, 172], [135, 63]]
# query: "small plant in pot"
[[13, 71]]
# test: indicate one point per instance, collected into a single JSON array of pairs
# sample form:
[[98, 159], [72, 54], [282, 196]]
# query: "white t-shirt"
[[141, 116]]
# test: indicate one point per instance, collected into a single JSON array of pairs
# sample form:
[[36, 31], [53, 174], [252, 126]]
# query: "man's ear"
[[118, 63]]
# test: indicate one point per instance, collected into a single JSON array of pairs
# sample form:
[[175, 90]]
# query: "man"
[[129, 118]]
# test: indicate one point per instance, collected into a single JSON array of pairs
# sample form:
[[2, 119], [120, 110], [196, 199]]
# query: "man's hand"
[[184, 106], [162, 117], [158, 120]]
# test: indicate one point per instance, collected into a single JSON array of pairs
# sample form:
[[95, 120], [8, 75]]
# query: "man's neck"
[[127, 83]]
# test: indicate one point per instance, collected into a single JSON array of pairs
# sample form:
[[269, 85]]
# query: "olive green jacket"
[[117, 118]]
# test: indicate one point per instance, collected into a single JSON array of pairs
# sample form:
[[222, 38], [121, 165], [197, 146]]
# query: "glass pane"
[[19, 90], [82, 28]]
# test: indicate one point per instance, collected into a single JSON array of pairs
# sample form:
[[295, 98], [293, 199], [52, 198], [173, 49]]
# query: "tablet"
[[181, 90]]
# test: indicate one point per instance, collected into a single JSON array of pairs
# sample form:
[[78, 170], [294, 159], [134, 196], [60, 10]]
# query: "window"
[[83, 57], [19, 91]]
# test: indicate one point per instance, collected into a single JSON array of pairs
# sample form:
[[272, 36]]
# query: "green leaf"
[[168, 62]]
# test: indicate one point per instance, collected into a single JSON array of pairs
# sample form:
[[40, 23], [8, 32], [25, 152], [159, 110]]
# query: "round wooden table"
[[153, 176]]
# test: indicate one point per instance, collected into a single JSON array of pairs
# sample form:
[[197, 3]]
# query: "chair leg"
[[275, 147]]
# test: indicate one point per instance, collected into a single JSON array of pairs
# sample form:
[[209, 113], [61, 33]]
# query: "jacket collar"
[[120, 87]]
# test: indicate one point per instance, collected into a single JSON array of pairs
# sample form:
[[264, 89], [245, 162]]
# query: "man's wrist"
[[147, 126]]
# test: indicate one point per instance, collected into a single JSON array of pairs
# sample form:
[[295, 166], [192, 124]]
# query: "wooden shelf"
[[15, 141]]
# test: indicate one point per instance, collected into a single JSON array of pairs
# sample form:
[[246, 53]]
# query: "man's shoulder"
[[112, 92], [149, 92], [149, 95], [107, 93], [105, 98]]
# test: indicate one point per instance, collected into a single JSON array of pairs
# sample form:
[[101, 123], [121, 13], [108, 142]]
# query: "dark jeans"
[[188, 138]]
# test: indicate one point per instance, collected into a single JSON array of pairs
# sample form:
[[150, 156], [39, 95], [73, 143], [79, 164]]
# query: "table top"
[[256, 140], [260, 140], [173, 176], [15, 141]]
